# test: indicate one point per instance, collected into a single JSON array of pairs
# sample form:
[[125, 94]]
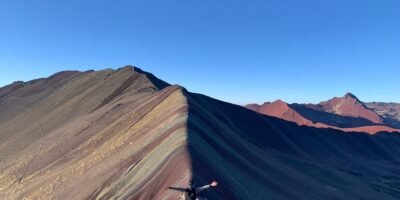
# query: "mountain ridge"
[[346, 113], [145, 139]]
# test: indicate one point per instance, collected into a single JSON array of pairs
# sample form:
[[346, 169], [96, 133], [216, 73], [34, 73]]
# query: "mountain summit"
[[281, 110], [350, 95], [349, 105]]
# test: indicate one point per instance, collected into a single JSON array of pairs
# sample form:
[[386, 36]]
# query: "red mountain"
[[281, 110], [346, 113], [350, 106]]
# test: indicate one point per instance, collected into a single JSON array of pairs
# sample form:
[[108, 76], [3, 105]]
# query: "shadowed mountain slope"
[[261, 157], [124, 134], [318, 114]]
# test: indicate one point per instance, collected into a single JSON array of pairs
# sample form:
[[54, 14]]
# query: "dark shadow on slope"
[[330, 118], [391, 122], [259, 157]]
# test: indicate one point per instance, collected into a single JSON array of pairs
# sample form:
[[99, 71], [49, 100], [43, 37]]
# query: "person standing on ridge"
[[191, 193]]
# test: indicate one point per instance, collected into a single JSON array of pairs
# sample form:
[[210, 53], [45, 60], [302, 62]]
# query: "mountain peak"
[[131, 68], [350, 95], [350, 106], [160, 84], [279, 101]]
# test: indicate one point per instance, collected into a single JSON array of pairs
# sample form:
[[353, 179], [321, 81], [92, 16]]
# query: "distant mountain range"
[[346, 113], [125, 134]]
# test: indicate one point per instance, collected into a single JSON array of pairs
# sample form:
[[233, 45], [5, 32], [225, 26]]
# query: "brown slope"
[[350, 105], [99, 147], [284, 111], [281, 110], [59, 102], [8, 89]]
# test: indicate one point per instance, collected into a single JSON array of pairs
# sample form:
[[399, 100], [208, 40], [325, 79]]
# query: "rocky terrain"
[[124, 134], [390, 112]]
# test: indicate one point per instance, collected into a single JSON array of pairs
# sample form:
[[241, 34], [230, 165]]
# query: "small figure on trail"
[[191, 193]]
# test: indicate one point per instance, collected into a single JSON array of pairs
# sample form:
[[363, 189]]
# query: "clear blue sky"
[[238, 51]]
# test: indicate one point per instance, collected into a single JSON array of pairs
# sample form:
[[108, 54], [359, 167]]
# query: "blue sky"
[[237, 51]]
